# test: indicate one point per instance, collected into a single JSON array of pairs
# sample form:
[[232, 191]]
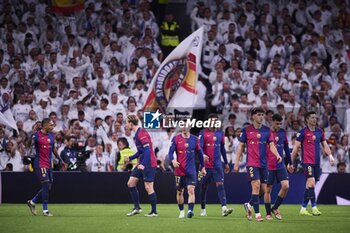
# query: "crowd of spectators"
[[88, 70]]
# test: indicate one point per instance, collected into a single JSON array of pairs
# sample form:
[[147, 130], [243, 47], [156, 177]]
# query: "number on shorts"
[[251, 173], [177, 180]]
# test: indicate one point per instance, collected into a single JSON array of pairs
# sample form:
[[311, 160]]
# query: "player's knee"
[[180, 192], [285, 187], [256, 186], [190, 191], [268, 190], [218, 184], [149, 189]]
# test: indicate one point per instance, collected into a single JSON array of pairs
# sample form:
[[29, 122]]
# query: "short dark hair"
[[277, 117], [45, 121], [232, 116], [308, 114], [124, 141], [105, 101], [341, 164], [70, 137], [52, 114], [212, 115], [256, 111]]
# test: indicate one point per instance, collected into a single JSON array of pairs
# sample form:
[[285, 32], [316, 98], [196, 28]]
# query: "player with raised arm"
[[257, 137], [212, 142], [277, 171], [309, 138], [145, 169], [44, 143], [185, 145]]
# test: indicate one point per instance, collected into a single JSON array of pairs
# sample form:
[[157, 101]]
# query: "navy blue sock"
[[135, 196], [45, 195], [190, 206], [251, 200], [181, 206], [268, 208], [306, 198], [255, 201], [153, 199], [278, 202], [312, 196], [37, 197], [222, 194], [203, 196]]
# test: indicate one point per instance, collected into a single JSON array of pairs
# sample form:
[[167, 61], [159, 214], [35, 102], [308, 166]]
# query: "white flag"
[[173, 88], [6, 117]]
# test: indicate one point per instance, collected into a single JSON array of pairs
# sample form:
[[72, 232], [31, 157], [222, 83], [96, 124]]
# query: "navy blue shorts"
[[213, 175], [183, 181], [44, 174], [277, 175], [146, 174], [257, 173], [312, 170]]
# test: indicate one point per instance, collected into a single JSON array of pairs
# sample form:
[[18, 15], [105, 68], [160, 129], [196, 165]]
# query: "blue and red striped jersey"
[[256, 141], [145, 150], [44, 144], [281, 142], [185, 149], [213, 145], [310, 144]]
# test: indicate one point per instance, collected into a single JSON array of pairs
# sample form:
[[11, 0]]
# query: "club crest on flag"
[[173, 87]]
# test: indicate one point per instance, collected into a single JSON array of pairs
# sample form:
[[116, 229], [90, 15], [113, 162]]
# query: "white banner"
[[173, 88]]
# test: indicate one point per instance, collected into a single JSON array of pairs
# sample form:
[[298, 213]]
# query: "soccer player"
[[277, 171], [185, 145], [44, 142], [256, 136], [212, 142], [145, 168], [309, 138]]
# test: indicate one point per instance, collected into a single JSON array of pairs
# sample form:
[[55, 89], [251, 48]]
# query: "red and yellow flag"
[[67, 6]]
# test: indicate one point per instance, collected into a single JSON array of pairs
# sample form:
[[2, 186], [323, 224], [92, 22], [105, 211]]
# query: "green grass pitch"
[[98, 218]]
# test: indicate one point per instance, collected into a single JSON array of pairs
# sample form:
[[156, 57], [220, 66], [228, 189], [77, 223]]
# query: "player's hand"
[[141, 167], [290, 168], [64, 166], [331, 160], [235, 168], [126, 159], [227, 168], [204, 172], [175, 163], [206, 158], [279, 159]]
